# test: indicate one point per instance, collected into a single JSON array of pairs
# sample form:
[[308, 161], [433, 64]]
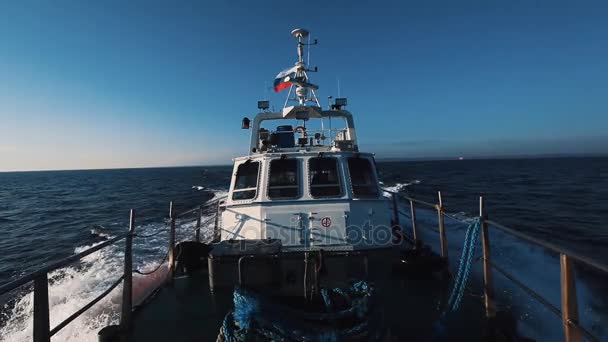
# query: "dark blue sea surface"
[[561, 200], [46, 216]]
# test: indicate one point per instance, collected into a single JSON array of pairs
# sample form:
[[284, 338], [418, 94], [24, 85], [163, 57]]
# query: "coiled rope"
[[349, 314]]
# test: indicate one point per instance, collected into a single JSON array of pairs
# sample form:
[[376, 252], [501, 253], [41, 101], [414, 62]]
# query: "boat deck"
[[185, 306], [187, 311]]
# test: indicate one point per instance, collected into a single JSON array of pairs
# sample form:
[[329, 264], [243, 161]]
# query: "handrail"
[[42, 331], [211, 201], [569, 313], [553, 248], [415, 200], [573, 331], [528, 290], [58, 264], [86, 307]]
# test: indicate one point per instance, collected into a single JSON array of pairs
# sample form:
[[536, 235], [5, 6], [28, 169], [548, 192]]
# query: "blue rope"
[[256, 314], [462, 276]]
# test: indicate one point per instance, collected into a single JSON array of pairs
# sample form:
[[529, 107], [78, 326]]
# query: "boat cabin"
[[308, 187], [304, 180]]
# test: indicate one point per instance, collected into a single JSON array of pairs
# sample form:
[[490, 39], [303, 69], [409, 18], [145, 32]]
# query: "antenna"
[[304, 91], [308, 52], [300, 33], [265, 89], [338, 79]]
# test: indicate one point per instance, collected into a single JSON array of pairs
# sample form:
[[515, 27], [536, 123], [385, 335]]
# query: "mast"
[[304, 90]]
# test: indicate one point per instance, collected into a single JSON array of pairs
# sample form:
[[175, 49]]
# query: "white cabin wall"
[[300, 225], [360, 223], [242, 222], [369, 224]]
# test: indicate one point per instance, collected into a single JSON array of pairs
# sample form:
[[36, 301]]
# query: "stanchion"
[[488, 289], [127, 287], [442, 238]]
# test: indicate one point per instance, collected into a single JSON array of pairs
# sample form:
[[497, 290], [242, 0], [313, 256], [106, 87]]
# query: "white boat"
[[309, 188], [304, 187], [307, 247]]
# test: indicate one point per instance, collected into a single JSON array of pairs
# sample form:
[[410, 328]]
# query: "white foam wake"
[[398, 187], [219, 193], [73, 287], [70, 289]]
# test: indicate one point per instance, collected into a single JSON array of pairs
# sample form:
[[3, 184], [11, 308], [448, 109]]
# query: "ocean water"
[[561, 200], [46, 216]]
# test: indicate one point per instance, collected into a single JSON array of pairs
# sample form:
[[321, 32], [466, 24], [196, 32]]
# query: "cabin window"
[[246, 183], [283, 181], [362, 177], [324, 177]]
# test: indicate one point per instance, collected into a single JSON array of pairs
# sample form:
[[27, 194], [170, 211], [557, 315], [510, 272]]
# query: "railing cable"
[[149, 235], [86, 307], [550, 246], [58, 264], [162, 262], [209, 202]]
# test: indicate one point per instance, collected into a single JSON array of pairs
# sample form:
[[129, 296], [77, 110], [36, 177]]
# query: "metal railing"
[[217, 202], [42, 331], [573, 331], [318, 135]]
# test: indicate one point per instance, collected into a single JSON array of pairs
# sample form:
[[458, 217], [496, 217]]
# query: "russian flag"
[[282, 80]]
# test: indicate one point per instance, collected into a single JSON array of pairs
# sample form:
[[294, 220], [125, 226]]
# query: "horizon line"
[[382, 159]]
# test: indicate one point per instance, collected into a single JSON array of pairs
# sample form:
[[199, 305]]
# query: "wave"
[[219, 193], [73, 287], [100, 231], [462, 217], [398, 186], [69, 289]]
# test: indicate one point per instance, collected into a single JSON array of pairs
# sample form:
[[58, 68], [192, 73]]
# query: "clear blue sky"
[[88, 84]]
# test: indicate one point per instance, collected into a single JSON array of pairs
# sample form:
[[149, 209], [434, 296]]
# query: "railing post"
[[396, 228], [395, 209], [41, 309], [127, 285], [488, 288], [171, 240], [442, 238], [216, 229], [198, 224], [568, 299], [413, 215]]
